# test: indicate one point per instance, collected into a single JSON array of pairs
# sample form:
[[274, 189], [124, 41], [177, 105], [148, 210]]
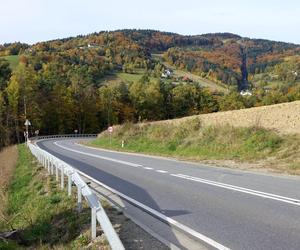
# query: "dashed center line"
[[161, 171], [196, 179], [148, 168]]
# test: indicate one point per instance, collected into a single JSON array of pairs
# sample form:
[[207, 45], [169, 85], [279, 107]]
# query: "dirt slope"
[[283, 118]]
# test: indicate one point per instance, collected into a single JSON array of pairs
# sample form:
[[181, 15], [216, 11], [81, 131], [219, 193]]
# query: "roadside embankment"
[[283, 118], [251, 147], [35, 214]]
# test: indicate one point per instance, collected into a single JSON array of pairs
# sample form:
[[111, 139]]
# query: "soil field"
[[283, 118]]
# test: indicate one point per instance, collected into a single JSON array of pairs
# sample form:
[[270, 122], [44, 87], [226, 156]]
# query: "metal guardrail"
[[62, 136], [59, 167]]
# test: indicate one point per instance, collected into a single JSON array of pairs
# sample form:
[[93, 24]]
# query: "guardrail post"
[[48, 164], [97, 212], [93, 223], [62, 177], [79, 199], [69, 184], [51, 167], [56, 171]]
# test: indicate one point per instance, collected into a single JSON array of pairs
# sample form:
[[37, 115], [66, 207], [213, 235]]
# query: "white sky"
[[39, 20]]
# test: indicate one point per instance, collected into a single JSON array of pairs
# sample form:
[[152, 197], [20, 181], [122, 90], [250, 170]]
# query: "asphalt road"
[[237, 209]]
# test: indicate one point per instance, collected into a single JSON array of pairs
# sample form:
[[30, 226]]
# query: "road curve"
[[237, 209]]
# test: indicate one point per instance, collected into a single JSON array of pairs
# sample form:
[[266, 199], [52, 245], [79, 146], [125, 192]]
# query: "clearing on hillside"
[[13, 61]]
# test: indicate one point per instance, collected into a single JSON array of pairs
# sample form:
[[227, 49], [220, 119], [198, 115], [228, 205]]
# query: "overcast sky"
[[39, 20]]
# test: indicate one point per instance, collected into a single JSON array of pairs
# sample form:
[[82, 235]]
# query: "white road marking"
[[161, 171], [169, 220], [100, 157], [241, 189], [205, 181]]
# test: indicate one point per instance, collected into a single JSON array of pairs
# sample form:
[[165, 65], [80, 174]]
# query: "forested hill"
[[87, 82]]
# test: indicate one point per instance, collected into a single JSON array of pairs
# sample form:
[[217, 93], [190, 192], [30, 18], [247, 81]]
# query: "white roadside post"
[[110, 130]]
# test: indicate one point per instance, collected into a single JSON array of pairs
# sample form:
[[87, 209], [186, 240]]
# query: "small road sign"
[[110, 129], [27, 123]]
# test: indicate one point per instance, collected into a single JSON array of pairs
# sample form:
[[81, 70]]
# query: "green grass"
[[119, 77], [190, 140], [13, 61], [196, 78], [44, 216], [126, 77]]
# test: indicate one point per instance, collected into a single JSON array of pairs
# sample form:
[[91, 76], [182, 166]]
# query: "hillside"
[[89, 82], [263, 138], [223, 58]]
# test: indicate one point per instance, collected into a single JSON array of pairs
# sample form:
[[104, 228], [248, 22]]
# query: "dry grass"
[[283, 118], [237, 147], [8, 161]]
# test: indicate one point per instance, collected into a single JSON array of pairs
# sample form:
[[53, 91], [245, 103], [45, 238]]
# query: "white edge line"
[[177, 224], [209, 182], [98, 156], [201, 164], [265, 195], [241, 188]]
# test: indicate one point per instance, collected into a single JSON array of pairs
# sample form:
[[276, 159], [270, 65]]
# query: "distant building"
[[246, 92], [89, 46], [92, 45], [167, 73]]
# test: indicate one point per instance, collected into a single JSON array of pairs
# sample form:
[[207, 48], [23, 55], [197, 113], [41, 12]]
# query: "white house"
[[167, 73], [246, 92]]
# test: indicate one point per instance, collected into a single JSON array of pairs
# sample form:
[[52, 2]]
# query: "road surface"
[[236, 209]]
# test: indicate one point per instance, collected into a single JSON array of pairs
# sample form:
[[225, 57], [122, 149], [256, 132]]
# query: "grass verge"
[[43, 216], [190, 140]]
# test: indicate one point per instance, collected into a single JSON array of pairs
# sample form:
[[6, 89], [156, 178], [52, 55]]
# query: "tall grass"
[[190, 140], [8, 161], [43, 215]]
